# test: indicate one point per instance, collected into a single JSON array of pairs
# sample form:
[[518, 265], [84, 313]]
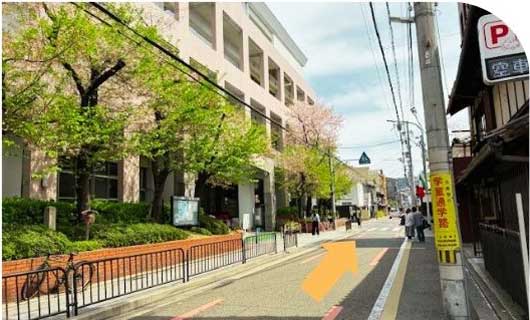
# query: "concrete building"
[[252, 56]]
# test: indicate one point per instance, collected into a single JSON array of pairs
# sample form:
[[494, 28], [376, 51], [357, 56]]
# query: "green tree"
[[66, 80], [190, 128]]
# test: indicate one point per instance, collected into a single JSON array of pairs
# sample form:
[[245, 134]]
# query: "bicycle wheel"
[[83, 275], [32, 285]]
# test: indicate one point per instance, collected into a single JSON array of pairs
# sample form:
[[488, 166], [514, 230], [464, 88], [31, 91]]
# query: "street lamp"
[[423, 156]]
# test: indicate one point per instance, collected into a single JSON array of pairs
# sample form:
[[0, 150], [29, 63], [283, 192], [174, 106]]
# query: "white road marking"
[[377, 309], [396, 229], [384, 229], [371, 229]]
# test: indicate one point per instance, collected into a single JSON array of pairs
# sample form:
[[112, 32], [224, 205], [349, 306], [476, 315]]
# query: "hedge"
[[213, 225], [20, 242], [121, 235]]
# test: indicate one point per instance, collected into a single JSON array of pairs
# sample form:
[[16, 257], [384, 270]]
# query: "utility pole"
[[332, 186], [411, 169], [452, 273]]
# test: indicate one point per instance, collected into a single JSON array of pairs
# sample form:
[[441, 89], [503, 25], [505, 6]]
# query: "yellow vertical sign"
[[444, 214]]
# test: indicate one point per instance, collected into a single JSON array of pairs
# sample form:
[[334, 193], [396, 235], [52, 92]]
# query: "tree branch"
[[104, 76], [75, 76]]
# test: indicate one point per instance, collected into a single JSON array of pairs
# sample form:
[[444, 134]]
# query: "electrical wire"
[[440, 51], [371, 146], [396, 70], [194, 70]]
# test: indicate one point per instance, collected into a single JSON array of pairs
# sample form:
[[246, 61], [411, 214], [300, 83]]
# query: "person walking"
[[409, 224], [315, 219], [419, 223]]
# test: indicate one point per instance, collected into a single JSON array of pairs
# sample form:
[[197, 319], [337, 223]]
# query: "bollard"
[[50, 217]]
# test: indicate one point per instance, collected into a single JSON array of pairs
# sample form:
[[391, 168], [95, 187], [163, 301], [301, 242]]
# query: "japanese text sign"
[[502, 55], [444, 213]]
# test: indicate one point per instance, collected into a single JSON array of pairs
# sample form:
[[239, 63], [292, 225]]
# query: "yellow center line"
[[392, 303]]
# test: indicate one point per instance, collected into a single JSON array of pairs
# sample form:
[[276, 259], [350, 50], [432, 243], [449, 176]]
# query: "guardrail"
[[35, 294], [202, 258], [260, 244], [58, 291], [115, 277], [290, 240]]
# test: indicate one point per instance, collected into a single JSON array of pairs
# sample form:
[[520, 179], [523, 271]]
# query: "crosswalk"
[[383, 229]]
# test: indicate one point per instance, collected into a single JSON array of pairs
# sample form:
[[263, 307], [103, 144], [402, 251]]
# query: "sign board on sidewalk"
[[447, 239], [246, 221], [501, 54], [185, 211]]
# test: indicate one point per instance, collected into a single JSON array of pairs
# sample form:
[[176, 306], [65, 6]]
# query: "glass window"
[[103, 182]]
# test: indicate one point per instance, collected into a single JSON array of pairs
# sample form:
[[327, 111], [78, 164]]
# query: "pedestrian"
[[409, 224], [357, 217], [419, 223], [315, 219]]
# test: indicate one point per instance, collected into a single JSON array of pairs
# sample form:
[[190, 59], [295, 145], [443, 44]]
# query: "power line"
[[385, 62], [441, 51], [370, 146], [173, 56], [396, 70]]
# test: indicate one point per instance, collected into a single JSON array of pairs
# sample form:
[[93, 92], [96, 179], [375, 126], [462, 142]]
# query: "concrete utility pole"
[[451, 274], [332, 186], [411, 169]]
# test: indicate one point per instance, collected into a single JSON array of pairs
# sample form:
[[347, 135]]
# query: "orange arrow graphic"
[[340, 258]]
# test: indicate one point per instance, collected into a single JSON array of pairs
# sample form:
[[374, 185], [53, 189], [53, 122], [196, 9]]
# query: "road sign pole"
[[451, 268]]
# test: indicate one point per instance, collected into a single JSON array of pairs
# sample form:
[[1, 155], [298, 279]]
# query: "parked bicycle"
[[74, 271]]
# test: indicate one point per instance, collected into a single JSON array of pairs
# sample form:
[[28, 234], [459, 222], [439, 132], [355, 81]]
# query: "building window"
[[300, 94], [288, 89], [255, 58], [236, 92], [274, 79], [257, 113], [171, 8], [310, 101], [276, 132], [202, 21], [103, 182], [233, 42], [212, 75]]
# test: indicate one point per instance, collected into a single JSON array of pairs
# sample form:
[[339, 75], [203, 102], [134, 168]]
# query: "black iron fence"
[[210, 256], [260, 244], [290, 239], [35, 294], [116, 277], [49, 292], [501, 249]]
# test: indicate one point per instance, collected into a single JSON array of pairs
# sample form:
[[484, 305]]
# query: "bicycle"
[[78, 271]]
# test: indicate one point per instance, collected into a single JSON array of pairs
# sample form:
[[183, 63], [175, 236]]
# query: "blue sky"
[[345, 69]]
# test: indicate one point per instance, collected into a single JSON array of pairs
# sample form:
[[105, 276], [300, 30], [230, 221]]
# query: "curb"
[[210, 280]]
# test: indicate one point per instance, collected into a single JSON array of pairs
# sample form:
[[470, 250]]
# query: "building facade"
[[252, 56], [491, 167]]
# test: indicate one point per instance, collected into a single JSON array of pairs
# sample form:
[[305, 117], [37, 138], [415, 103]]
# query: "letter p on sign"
[[496, 33]]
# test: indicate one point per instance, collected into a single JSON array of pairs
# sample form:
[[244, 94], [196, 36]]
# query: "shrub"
[[199, 230], [25, 211], [287, 211], [86, 245], [119, 235], [31, 241], [213, 225], [119, 212]]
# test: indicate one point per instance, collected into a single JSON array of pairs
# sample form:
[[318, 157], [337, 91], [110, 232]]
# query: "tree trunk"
[[200, 189], [160, 174], [308, 205], [82, 184]]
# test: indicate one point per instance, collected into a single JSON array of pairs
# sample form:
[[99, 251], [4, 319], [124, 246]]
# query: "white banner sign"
[[502, 55]]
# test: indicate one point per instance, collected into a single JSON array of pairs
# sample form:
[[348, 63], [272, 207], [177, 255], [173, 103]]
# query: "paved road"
[[276, 292]]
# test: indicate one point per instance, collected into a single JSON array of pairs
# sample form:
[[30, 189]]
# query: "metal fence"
[[59, 291], [503, 259], [206, 257], [290, 239], [35, 294], [115, 277], [260, 244]]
